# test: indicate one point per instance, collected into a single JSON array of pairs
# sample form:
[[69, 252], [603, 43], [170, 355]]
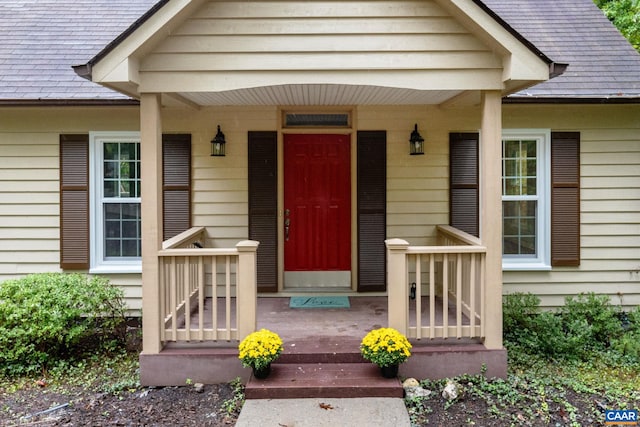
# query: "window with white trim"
[[116, 231], [526, 199]]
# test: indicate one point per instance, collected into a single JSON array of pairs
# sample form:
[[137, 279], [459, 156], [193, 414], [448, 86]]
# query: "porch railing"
[[194, 277], [449, 280]]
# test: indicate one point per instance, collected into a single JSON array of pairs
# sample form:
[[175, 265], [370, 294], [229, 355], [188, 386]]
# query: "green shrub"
[[585, 324], [47, 318], [597, 312], [518, 313]]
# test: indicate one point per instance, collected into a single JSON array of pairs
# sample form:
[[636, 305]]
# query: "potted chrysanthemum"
[[258, 350], [387, 348]]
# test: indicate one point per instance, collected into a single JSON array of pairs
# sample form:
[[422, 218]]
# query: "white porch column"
[[151, 185], [246, 288], [491, 213], [397, 286]]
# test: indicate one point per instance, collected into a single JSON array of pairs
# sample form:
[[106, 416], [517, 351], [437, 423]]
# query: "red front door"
[[317, 201]]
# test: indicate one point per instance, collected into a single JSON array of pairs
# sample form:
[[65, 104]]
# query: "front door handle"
[[287, 223]]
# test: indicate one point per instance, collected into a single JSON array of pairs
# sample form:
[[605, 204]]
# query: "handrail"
[[186, 237], [455, 234], [446, 249]]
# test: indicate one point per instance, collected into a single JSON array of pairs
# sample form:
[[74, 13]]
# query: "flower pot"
[[389, 371], [262, 373]]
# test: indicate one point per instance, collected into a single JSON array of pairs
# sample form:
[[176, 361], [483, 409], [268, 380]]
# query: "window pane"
[[110, 170], [110, 151], [130, 248], [528, 245], [530, 148], [125, 188], [122, 229], [112, 248], [531, 187], [110, 188], [511, 149], [510, 167], [512, 187], [128, 151], [519, 227]]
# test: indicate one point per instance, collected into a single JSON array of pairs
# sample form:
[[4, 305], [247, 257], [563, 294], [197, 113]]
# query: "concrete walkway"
[[320, 412]]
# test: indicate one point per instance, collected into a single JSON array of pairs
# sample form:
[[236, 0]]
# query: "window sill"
[[525, 266], [117, 269]]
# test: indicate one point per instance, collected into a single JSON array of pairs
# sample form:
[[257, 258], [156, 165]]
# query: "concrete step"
[[323, 380], [321, 350]]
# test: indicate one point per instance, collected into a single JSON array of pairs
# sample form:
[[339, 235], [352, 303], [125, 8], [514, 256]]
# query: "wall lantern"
[[217, 144], [416, 142]]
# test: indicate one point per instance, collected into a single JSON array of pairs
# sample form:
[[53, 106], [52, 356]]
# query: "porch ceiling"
[[320, 94]]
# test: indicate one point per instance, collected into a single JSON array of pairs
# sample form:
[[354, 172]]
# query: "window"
[[525, 199], [307, 119], [115, 202]]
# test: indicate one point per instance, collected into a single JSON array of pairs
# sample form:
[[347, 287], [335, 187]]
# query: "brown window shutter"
[[372, 210], [463, 182], [176, 183], [74, 202], [565, 198], [263, 206]]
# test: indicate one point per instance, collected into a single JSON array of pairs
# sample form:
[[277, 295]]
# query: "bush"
[[597, 312], [518, 313], [585, 324], [47, 318]]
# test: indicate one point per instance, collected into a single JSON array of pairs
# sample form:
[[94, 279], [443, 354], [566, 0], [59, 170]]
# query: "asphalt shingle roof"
[[602, 63], [41, 39]]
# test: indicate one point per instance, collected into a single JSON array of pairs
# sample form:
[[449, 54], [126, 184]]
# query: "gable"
[[295, 53]]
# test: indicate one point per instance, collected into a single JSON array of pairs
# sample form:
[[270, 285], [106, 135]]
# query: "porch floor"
[[296, 324], [317, 336]]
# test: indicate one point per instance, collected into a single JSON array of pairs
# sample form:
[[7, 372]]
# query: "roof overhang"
[[118, 67]]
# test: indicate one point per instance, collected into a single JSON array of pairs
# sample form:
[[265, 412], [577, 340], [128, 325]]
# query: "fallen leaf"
[[326, 406], [41, 383]]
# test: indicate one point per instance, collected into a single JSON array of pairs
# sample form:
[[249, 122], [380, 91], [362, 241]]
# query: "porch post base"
[[173, 367], [446, 361]]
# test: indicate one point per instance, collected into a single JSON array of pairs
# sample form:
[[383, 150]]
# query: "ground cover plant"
[[565, 368]]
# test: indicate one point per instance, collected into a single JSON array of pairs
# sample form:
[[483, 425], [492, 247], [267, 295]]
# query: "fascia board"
[[520, 63], [121, 64]]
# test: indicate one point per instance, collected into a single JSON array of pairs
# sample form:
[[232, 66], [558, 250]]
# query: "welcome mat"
[[320, 302]]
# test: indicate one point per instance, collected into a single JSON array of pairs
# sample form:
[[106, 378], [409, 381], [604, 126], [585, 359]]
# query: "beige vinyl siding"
[[417, 197], [29, 205], [610, 204], [29, 186], [232, 45]]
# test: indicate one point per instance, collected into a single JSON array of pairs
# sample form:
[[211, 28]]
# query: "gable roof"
[[40, 41]]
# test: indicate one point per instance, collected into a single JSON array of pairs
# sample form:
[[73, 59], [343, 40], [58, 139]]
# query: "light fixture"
[[217, 144], [416, 142]]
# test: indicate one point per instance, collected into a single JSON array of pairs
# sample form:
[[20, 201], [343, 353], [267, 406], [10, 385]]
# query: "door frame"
[[346, 130]]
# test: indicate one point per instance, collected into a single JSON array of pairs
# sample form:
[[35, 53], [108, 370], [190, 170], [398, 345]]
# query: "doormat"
[[319, 302]]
